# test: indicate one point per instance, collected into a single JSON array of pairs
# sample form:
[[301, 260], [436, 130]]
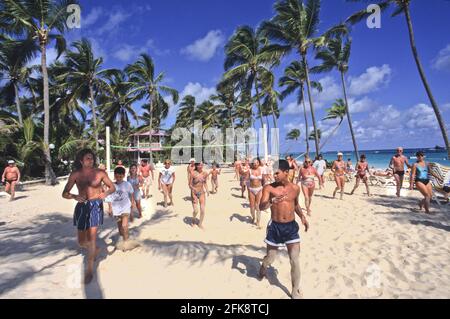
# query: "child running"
[[121, 202], [166, 180], [362, 168], [136, 181]]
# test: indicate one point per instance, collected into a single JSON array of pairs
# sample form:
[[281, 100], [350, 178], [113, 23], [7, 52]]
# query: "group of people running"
[[268, 186]]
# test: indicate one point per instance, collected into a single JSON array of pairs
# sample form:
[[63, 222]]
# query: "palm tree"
[[82, 75], [402, 6], [335, 55], [116, 103], [294, 79], [227, 100], [293, 134], [39, 19], [337, 111], [249, 58], [147, 85], [313, 136], [295, 26], [186, 112], [14, 55]]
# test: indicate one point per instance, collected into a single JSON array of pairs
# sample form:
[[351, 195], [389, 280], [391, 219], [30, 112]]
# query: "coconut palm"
[[116, 104], [186, 112], [295, 26], [315, 135], [44, 21], [293, 134], [249, 58], [83, 77], [337, 111], [294, 79], [335, 55], [146, 84], [14, 55], [403, 7], [226, 100]]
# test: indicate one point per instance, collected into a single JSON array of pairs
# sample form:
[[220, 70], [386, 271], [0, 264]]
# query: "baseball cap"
[[192, 160], [340, 154], [11, 162]]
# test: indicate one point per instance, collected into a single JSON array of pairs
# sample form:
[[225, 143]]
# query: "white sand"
[[357, 248]]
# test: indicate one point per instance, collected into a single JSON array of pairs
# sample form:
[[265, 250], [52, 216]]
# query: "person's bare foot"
[[262, 273], [297, 294], [201, 227]]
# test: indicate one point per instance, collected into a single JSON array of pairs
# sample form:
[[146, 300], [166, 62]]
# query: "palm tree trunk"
[[425, 81], [120, 123], [151, 123], [306, 122], [308, 86], [50, 178], [331, 135], [94, 117], [349, 118], [19, 111], [257, 101]]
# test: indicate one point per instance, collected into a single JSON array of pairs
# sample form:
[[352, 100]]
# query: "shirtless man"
[[215, 172], [282, 198], [11, 177], [88, 213], [145, 170], [397, 164]]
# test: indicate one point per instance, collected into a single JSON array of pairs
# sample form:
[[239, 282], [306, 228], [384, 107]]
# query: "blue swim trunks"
[[88, 214], [280, 234]]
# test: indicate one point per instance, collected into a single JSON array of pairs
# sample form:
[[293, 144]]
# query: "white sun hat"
[[340, 154]]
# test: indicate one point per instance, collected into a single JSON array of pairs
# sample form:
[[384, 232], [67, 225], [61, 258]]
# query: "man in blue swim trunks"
[[282, 230], [88, 213]]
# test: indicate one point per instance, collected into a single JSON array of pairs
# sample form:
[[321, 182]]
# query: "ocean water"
[[381, 158]]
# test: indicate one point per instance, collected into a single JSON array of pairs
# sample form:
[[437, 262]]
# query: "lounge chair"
[[381, 181], [438, 175]]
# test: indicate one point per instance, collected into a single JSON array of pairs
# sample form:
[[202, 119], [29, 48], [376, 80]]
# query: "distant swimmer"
[[282, 230], [88, 213]]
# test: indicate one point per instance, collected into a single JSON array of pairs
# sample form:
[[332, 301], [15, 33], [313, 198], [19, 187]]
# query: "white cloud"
[[331, 91], [92, 17], [98, 50], [362, 105], [292, 109], [204, 49], [200, 92], [371, 80], [127, 52], [442, 61], [421, 116], [113, 22]]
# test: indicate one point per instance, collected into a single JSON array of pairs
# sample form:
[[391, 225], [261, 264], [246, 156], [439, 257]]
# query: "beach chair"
[[381, 181], [438, 174]]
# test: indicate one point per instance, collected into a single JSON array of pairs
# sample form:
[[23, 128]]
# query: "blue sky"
[[387, 99]]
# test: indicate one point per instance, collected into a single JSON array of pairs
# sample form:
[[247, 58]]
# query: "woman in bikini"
[[306, 176], [292, 167], [255, 186], [136, 181], [362, 168], [215, 172], [420, 172], [244, 174], [198, 187], [338, 169]]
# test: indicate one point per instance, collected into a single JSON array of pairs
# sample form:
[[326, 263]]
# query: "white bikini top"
[[252, 177]]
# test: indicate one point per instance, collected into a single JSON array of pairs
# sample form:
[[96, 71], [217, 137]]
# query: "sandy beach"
[[378, 247]]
